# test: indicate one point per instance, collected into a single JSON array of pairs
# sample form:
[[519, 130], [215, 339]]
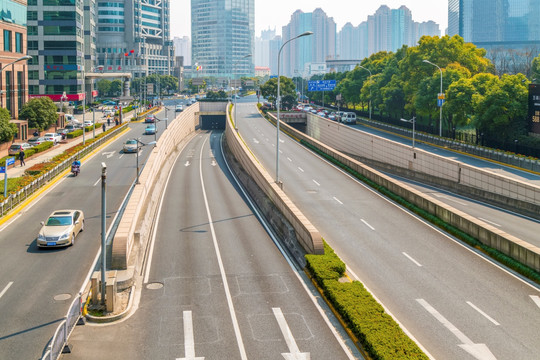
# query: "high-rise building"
[[313, 49], [262, 48], [222, 35], [13, 79], [510, 24], [61, 40], [182, 47], [134, 36]]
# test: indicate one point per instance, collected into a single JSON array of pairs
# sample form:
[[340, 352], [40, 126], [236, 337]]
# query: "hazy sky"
[[277, 13]]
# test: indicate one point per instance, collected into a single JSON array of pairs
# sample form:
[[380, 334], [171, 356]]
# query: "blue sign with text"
[[2, 169], [10, 161], [321, 85]]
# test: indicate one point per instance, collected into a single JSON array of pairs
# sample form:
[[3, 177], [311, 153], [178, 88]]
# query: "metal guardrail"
[[13, 200]]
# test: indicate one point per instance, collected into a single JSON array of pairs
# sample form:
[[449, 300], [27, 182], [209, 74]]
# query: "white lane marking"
[[232, 312], [255, 141], [536, 299], [289, 159], [366, 223], [410, 258], [281, 152], [335, 198], [294, 352], [187, 164], [281, 141], [189, 340], [450, 199], [479, 351], [121, 156], [6, 288], [483, 313], [213, 163], [97, 182], [316, 183], [299, 168], [489, 222], [108, 154]]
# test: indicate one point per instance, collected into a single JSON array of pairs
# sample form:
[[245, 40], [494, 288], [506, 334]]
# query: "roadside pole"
[[103, 229]]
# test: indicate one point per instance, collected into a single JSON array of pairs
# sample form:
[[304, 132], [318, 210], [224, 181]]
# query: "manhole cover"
[[62, 297], [154, 286]]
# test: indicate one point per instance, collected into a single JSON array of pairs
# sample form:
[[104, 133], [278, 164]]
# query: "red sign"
[[58, 97], [94, 93]]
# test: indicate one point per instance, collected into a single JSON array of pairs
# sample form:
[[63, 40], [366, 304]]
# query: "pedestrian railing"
[[13, 200]]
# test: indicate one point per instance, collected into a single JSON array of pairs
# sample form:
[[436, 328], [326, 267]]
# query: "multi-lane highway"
[[454, 302], [37, 286], [215, 284]]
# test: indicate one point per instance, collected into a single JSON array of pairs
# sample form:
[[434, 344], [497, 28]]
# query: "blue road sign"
[[10, 161], [321, 85], [273, 76], [2, 169], [440, 102]]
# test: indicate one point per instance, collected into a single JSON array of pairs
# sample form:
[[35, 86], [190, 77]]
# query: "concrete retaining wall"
[[139, 213], [510, 245], [352, 141], [308, 236]]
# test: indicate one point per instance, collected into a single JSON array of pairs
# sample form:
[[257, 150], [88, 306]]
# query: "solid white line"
[[410, 258], [489, 222], [316, 183], [302, 170], [121, 155], [6, 288], [97, 182], [536, 299], [236, 327], [447, 324], [366, 223], [189, 341], [335, 198], [289, 159], [286, 331], [483, 313]]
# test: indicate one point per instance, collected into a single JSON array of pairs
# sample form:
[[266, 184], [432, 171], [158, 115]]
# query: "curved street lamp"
[[370, 75], [440, 107], [278, 99]]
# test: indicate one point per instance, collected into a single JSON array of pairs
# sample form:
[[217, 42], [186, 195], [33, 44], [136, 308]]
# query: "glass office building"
[[222, 33], [512, 24]]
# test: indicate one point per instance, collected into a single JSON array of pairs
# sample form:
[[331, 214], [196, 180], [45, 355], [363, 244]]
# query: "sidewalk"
[[18, 170]]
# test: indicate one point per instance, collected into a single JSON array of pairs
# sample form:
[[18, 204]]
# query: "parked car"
[[71, 127], [332, 116], [54, 137], [88, 123], [150, 119], [150, 130], [36, 140], [15, 149], [61, 228], [130, 146]]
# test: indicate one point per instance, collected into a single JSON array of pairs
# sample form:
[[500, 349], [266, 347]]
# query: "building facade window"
[[9, 90], [19, 43], [20, 90], [7, 40]]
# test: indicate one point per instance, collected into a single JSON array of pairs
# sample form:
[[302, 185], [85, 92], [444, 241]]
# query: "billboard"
[[534, 108]]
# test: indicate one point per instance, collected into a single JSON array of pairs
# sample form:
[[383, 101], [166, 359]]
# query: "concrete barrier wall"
[[308, 236], [510, 245], [352, 141], [138, 215]]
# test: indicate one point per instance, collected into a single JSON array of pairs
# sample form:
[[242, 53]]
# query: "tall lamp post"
[[236, 95], [278, 99], [413, 121], [370, 75], [140, 144], [25, 57], [84, 102], [440, 107]]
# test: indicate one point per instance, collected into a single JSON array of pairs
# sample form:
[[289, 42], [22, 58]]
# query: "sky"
[[274, 14]]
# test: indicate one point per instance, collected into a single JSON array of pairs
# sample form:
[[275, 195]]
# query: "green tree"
[[104, 87], [40, 113], [168, 83], [7, 129], [535, 69], [116, 87], [286, 87]]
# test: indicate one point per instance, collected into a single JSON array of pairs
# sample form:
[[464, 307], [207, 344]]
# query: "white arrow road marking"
[[214, 163], [6, 288], [479, 351], [536, 299], [294, 352], [483, 313], [108, 154], [189, 341], [255, 141], [410, 258], [187, 164]]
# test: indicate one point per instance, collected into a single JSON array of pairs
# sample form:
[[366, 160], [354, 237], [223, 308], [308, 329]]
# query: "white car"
[[88, 123], [55, 138]]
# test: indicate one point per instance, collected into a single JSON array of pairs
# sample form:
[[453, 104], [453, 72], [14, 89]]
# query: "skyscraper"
[[222, 34], [182, 47]]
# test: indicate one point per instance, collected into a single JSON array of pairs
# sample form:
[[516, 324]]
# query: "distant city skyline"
[[276, 14]]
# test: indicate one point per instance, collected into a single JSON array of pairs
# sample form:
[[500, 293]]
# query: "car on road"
[[88, 123], [332, 116], [108, 112], [179, 108], [348, 118], [61, 228], [36, 140], [131, 146], [15, 149], [150, 130], [54, 137], [150, 119]]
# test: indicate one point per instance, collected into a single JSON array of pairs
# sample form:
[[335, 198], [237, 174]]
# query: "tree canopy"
[[286, 88], [40, 113], [7, 129]]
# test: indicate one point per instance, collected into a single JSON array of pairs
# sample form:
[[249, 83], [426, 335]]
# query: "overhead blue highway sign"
[[321, 85]]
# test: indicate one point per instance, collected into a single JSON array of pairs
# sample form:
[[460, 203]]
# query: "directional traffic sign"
[[2, 169], [321, 85], [10, 161]]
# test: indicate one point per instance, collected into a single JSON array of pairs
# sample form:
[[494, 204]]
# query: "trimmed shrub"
[[74, 134], [43, 146]]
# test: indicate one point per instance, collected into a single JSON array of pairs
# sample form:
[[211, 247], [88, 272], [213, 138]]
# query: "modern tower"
[[222, 34]]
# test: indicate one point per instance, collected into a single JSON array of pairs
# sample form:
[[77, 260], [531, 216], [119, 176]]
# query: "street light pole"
[[413, 121], [103, 229], [440, 107], [278, 99], [84, 103], [236, 94], [370, 75]]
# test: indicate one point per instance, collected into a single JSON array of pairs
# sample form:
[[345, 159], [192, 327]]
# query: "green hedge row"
[[74, 134], [380, 336], [472, 241]]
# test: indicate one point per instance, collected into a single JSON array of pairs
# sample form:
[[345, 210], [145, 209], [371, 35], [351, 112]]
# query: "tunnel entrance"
[[212, 122]]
